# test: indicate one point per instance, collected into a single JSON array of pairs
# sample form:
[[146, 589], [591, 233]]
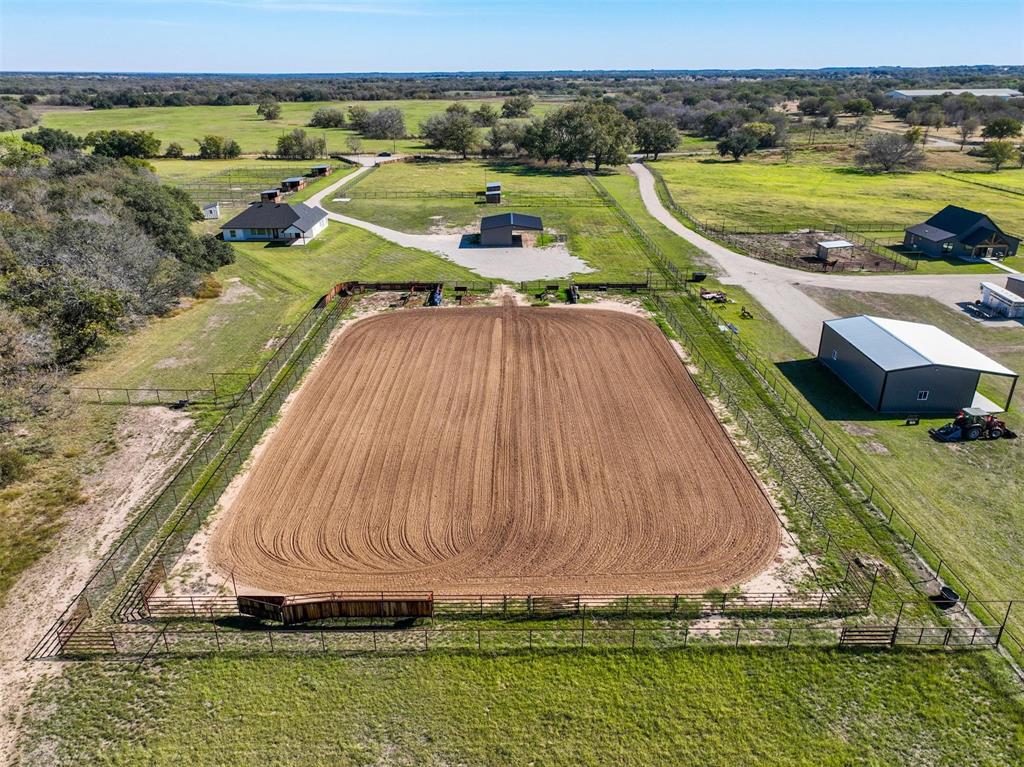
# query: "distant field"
[[186, 124], [766, 192]]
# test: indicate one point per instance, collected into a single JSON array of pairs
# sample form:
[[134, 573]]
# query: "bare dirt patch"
[[149, 441], [498, 450], [803, 246]]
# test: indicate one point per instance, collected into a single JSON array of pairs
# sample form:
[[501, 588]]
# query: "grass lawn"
[[764, 191], [186, 124], [728, 707], [593, 231]]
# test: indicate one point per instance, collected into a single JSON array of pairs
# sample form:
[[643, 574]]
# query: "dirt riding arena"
[[497, 450]]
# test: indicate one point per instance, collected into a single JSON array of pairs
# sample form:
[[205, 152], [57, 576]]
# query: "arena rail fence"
[[895, 523], [894, 260], [138, 644]]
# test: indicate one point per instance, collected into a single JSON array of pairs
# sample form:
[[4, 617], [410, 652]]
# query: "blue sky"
[[445, 35]]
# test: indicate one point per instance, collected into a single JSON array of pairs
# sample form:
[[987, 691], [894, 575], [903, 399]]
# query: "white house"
[[276, 222], [211, 211]]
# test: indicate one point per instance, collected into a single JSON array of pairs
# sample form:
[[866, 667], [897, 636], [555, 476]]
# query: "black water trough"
[[946, 598]]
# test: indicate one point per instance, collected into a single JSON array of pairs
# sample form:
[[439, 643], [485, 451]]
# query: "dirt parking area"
[[497, 450], [803, 246]]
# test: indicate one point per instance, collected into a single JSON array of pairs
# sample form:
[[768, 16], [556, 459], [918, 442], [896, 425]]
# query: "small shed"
[[321, 170], [211, 211], [1015, 284], [293, 184], [1002, 301], [500, 229], [270, 195], [907, 367], [492, 192], [829, 249]]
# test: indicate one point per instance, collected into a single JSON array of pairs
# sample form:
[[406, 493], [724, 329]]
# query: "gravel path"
[[777, 288]]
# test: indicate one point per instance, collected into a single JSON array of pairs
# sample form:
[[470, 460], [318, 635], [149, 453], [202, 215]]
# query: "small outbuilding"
[[829, 249], [907, 367], [211, 211], [270, 195], [276, 222], [293, 184], [321, 170], [500, 229], [492, 192], [1002, 301], [961, 233]]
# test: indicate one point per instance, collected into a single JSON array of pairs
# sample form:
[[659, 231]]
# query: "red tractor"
[[972, 423]]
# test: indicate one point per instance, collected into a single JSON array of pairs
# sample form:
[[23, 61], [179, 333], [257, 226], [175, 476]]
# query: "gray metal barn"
[[499, 229], [907, 367]]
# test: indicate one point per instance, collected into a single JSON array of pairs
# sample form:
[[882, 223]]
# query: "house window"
[[835, 354], [922, 395], [947, 247], [234, 233]]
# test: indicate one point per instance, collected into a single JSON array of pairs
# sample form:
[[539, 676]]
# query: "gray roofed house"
[[956, 231], [499, 229], [907, 367], [276, 222]]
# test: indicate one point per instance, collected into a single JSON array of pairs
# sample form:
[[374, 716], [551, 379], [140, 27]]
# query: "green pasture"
[[593, 231], [767, 192], [252, 132]]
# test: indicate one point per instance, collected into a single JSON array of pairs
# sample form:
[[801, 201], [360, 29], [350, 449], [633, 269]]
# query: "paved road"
[[777, 288]]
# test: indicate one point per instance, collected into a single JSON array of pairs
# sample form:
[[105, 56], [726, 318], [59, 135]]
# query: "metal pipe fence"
[[140, 644], [138, 535]]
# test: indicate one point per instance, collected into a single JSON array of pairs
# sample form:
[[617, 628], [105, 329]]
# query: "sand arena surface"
[[498, 450]]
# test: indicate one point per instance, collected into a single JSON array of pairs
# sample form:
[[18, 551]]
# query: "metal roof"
[[930, 233], [999, 92], [276, 215], [325, 165], [293, 178], [958, 220], [515, 220], [829, 244], [899, 345]]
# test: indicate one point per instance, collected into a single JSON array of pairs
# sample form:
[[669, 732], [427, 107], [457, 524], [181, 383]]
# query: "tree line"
[[90, 246]]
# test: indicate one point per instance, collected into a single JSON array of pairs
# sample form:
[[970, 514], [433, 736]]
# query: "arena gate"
[[303, 608]]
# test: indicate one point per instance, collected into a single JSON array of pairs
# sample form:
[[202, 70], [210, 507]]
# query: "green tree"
[[298, 146], [453, 130], [327, 117], [608, 134], [1002, 127], [53, 139], [123, 143], [998, 153], [269, 109], [387, 123], [538, 139], [967, 128], [358, 118], [486, 116], [18, 153], [858, 107], [218, 148], [654, 136], [738, 144], [174, 151], [890, 152], [516, 106]]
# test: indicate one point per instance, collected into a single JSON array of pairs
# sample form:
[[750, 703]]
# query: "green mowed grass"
[[186, 124], [763, 191], [265, 291], [729, 707], [593, 231]]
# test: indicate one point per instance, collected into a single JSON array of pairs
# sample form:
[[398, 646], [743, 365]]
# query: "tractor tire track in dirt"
[[498, 450]]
